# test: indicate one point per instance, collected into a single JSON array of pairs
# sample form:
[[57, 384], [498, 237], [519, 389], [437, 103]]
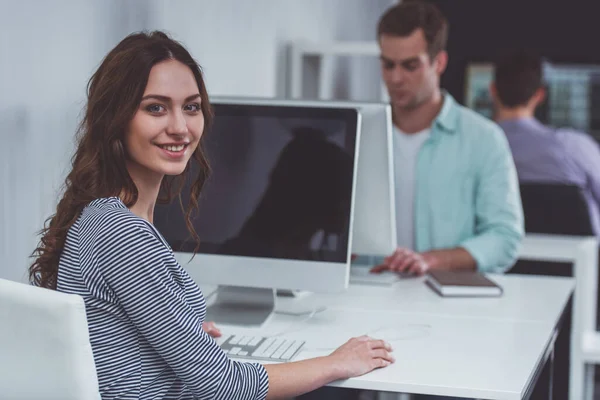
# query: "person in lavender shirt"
[[542, 153]]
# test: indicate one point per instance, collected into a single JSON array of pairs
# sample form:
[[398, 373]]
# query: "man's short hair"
[[517, 77], [408, 16]]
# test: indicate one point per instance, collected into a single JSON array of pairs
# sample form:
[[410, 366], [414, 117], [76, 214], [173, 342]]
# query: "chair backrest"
[[555, 209], [45, 351]]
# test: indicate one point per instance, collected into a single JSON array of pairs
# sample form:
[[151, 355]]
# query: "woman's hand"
[[211, 329], [356, 357], [361, 355]]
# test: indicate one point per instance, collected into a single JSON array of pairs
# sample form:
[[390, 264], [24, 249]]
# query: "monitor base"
[[245, 306], [292, 293]]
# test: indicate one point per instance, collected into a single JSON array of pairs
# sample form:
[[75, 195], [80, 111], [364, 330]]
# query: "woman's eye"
[[155, 108], [194, 107]]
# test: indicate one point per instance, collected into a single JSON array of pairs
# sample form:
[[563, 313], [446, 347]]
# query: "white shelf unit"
[[317, 60]]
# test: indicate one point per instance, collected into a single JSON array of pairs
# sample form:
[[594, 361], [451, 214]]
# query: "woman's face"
[[167, 126]]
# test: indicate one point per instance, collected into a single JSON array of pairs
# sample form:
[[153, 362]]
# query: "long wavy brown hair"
[[98, 170]]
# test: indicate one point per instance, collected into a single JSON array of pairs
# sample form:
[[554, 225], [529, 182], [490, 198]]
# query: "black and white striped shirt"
[[145, 313]]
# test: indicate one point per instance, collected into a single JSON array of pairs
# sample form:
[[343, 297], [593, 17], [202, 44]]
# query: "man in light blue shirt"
[[456, 185], [458, 202]]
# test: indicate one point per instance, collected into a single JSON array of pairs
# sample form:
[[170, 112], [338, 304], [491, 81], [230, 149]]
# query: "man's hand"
[[408, 261], [404, 260], [211, 329]]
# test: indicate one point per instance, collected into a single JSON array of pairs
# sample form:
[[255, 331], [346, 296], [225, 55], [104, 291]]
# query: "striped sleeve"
[[138, 268]]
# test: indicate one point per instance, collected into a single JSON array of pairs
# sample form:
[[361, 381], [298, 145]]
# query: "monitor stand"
[[236, 305], [292, 293]]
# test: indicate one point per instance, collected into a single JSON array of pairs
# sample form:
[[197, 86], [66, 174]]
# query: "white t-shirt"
[[406, 152]]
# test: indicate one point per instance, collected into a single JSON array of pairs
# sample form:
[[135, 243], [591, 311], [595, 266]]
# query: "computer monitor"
[[374, 211], [374, 227], [276, 211]]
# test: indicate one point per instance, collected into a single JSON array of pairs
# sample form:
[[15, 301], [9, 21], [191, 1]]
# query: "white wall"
[[242, 45], [48, 50]]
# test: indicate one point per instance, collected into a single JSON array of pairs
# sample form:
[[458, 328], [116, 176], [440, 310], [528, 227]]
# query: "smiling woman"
[[148, 91], [166, 128], [137, 99], [146, 112]]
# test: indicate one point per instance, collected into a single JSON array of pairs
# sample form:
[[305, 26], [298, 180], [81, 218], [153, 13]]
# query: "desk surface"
[[473, 347], [526, 298], [442, 355]]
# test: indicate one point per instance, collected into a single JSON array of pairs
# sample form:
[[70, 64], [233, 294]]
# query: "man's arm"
[[498, 210], [450, 259]]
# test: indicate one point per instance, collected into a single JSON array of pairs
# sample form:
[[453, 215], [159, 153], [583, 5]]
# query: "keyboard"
[[261, 348], [361, 275]]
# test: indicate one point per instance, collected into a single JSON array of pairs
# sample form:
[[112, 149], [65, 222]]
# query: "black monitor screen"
[[280, 186]]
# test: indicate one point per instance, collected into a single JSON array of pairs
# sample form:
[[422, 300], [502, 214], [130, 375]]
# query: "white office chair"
[[45, 351]]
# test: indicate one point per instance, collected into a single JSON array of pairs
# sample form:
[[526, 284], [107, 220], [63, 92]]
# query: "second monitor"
[[294, 191]]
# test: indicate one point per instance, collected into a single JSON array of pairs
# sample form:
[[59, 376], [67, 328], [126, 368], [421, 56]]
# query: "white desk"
[[526, 298], [450, 356], [476, 348]]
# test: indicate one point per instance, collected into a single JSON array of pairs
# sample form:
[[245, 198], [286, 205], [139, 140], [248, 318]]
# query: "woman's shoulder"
[[110, 234], [109, 214]]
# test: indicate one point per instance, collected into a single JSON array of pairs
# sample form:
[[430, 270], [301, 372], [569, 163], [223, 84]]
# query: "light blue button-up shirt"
[[467, 192]]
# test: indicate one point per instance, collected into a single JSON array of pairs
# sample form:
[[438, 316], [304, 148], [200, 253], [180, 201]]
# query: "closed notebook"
[[462, 284]]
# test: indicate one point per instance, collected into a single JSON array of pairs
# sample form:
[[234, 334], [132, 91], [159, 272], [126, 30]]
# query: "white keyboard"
[[362, 275], [261, 348]]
